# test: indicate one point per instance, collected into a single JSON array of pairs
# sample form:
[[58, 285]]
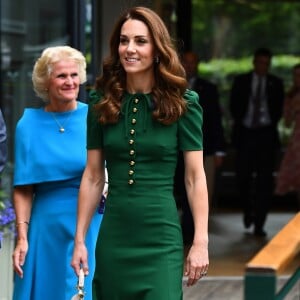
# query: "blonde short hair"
[[43, 67]]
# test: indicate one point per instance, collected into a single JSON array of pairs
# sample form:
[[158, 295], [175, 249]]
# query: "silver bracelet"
[[22, 222]]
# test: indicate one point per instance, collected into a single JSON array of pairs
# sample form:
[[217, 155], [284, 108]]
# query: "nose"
[[69, 80], [131, 47]]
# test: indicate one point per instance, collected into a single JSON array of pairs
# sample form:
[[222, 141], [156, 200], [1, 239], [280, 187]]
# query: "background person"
[[288, 176], [50, 156], [140, 115], [256, 102], [213, 139]]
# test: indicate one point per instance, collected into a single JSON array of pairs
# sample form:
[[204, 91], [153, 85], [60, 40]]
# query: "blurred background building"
[[224, 33]]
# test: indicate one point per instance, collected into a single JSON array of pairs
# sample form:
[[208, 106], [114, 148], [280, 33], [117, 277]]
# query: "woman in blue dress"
[[50, 156]]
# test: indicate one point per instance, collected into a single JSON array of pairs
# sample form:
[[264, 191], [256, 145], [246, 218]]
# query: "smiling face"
[[63, 84], [136, 49]]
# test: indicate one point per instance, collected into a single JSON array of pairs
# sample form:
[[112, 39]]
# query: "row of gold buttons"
[[132, 148]]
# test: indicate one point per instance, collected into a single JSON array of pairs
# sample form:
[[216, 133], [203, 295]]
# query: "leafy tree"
[[234, 28]]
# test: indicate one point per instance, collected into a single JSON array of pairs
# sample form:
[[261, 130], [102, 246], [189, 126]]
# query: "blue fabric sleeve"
[[42, 153]]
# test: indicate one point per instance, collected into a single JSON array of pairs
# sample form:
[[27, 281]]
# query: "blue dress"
[[53, 162]]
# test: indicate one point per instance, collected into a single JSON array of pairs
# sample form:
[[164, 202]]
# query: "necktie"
[[257, 103]]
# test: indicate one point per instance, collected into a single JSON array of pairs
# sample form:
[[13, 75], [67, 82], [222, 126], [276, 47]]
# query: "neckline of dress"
[[61, 112]]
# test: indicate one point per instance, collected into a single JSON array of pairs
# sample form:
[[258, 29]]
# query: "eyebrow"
[[136, 36]]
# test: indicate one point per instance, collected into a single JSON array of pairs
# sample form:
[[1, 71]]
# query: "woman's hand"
[[196, 263], [19, 256], [79, 259], [22, 199]]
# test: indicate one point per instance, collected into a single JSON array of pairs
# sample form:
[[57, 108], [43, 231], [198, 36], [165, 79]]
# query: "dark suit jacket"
[[213, 133], [240, 97]]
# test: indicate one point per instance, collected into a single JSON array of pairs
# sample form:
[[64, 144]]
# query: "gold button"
[[132, 131], [136, 100], [131, 142], [130, 172], [133, 121], [130, 181], [132, 163], [131, 152], [134, 109]]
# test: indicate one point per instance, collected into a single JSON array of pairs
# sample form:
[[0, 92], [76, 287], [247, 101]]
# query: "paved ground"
[[231, 247], [228, 288]]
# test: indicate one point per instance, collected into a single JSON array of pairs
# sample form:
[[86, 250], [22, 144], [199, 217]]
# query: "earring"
[[156, 59]]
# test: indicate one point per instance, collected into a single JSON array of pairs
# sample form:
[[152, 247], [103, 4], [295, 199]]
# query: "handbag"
[[79, 287]]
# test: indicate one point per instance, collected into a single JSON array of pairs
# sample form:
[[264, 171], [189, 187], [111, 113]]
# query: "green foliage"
[[7, 212], [220, 69], [7, 215], [223, 28]]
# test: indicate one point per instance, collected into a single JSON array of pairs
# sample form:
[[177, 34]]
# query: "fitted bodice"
[[141, 151]]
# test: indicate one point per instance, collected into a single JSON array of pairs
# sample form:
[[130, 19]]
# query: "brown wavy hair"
[[170, 82]]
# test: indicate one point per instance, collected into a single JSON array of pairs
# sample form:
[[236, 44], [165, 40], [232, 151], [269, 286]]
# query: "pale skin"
[[136, 52], [197, 260], [92, 184], [63, 88]]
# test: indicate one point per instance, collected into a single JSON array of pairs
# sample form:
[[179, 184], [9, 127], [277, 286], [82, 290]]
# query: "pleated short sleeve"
[[190, 135], [94, 128]]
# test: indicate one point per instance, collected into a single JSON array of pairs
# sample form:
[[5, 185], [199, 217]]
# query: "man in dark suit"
[[213, 138], [256, 103]]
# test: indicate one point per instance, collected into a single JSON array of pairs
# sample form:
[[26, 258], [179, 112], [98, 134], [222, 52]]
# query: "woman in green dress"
[[140, 116]]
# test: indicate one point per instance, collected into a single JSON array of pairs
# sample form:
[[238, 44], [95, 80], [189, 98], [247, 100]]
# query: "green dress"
[[139, 252]]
